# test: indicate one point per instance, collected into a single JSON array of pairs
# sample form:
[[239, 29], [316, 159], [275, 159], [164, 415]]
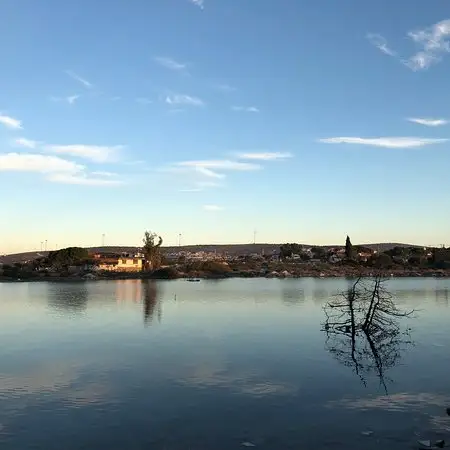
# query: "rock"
[[248, 444], [448, 411], [440, 443], [425, 444]]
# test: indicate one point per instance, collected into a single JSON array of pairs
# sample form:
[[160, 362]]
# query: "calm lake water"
[[212, 365]]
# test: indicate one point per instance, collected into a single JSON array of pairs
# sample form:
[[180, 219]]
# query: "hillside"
[[231, 249]]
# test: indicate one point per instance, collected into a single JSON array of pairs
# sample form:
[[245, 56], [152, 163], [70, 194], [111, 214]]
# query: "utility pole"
[[179, 240], [103, 239], [46, 245], [42, 245], [254, 237]]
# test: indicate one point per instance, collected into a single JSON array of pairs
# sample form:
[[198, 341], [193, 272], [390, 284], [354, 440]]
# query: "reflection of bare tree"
[[363, 329], [152, 305]]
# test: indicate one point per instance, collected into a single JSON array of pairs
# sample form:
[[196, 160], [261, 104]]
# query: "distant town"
[[152, 260]]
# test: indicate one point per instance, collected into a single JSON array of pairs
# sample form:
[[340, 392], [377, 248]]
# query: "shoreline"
[[363, 272]]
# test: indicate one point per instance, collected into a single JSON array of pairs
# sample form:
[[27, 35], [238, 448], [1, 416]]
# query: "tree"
[[348, 248], [70, 256], [152, 250]]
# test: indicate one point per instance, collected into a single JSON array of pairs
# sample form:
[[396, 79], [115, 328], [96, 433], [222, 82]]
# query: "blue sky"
[[304, 120]]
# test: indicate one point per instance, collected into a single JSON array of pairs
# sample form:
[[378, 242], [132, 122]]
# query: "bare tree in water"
[[363, 329]]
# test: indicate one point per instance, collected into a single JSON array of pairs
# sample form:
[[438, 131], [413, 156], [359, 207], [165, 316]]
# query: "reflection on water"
[[363, 329], [233, 361], [152, 305], [67, 298]]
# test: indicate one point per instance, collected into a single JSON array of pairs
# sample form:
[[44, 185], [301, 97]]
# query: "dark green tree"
[[348, 248], [152, 250], [70, 256]]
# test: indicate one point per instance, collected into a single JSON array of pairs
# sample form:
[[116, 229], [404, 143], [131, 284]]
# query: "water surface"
[[212, 365]]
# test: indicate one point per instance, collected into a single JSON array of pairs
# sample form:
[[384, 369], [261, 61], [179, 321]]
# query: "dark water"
[[211, 365]]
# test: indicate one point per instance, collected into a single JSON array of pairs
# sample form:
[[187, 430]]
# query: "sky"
[[205, 120]]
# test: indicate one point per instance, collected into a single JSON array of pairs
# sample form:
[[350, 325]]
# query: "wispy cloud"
[[143, 101], [387, 142], [96, 153], [225, 87], [251, 109], [82, 179], [265, 156], [429, 122], [181, 99], [433, 41], [170, 63], [101, 173], [27, 143], [199, 3], [212, 208], [81, 80], [21, 162], [381, 43], [220, 164], [10, 122], [209, 173]]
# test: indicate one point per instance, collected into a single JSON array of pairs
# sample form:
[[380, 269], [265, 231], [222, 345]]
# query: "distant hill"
[[231, 249]]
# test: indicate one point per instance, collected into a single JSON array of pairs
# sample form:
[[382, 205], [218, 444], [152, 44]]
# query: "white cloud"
[[143, 101], [212, 208], [387, 142], [170, 63], [10, 122], [429, 122], [191, 190], [433, 41], [81, 80], [220, 165], [265, 156], [209, 173], [82, 179], [96, 153], [180, 99], [101, 173], [23, 142], [199, 3], [251, 109], [380, 42], [21, 162]]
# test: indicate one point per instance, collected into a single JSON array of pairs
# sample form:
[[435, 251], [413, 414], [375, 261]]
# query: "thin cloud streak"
[[220, 165], [27, 143], [20, 162], [96, 153], [386, 142], [10, 122], [82, 180], [170, 63], [181, 99], [81, 80], [428, 122], [381, 44], [251, 109], [265, 156]]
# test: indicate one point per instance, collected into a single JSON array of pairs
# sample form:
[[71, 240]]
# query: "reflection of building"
[[128, 291]]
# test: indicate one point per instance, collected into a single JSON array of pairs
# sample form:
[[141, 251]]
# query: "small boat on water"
[[193, 280]]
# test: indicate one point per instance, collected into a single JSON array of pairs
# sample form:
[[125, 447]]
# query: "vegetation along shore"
[[152, 260]]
